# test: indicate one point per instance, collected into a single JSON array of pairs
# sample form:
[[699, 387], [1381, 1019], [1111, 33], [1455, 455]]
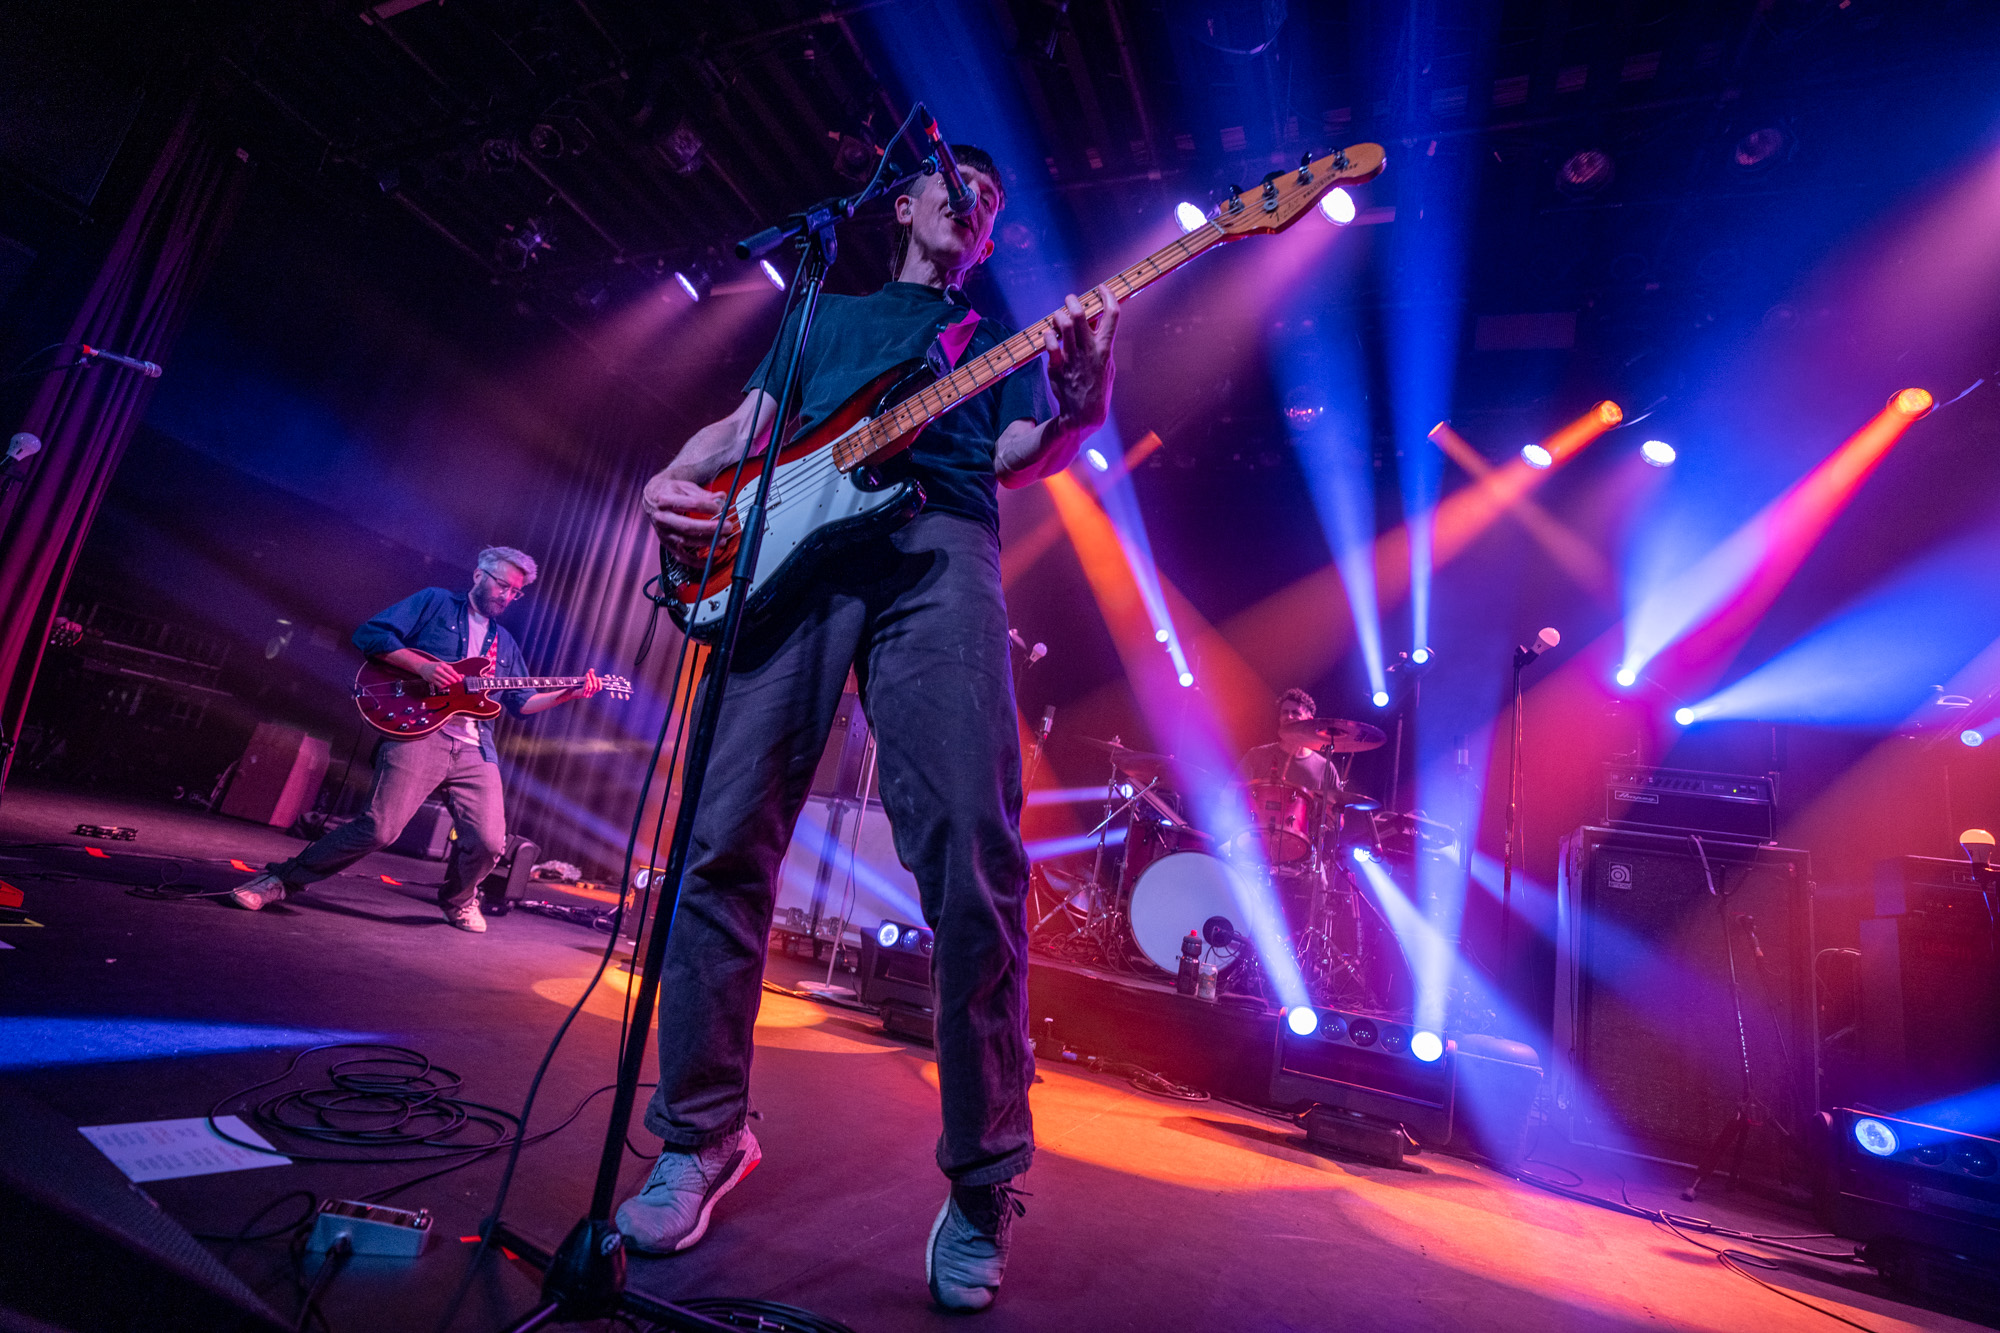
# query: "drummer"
[[1278, 762]]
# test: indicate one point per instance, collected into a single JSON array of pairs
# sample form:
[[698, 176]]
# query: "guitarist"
[[919, 616], [424, 635]]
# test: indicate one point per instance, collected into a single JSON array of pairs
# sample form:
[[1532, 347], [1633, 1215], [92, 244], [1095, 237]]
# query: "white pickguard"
[[810, 498]]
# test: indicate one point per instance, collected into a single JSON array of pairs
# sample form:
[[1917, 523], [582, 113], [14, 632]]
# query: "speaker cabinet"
[[508, 883], [427, 835], [843, 764], [85, 1250], [1649, 1043], [826, 874], [278, 776]]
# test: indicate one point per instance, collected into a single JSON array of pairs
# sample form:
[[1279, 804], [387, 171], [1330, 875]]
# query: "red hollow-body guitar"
[[826, 492], [404, 705]]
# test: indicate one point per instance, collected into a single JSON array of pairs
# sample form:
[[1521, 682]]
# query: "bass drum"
[[1177, 894]]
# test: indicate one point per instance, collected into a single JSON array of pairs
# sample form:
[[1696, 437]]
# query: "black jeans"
[[920, 617]]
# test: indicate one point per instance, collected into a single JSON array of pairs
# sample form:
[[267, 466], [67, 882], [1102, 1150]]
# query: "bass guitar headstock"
[[1284, 196], [616, 686]]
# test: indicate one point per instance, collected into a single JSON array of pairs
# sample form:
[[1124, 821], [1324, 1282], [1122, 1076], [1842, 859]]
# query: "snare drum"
[[1281, 824]]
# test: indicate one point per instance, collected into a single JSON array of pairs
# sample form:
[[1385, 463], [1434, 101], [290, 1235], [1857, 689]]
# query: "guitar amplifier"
[[1934, 886], [1729, 806]]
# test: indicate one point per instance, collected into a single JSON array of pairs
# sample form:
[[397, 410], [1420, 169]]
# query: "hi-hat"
[[1330, 733]]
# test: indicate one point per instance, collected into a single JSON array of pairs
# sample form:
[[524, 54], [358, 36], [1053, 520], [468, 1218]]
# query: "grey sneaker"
[[968, 1247], [256, 894], [467, 917], [671, 1213]]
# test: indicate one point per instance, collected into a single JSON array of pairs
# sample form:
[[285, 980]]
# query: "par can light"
[[1626, 678], [1189, 216], [1380, 698], [1971, 736], [1913, 403], [1426, 1046], [1684, 716], [1337, 207], [888, 934], [1658, 452], [1303, 1021], [1535, 456]]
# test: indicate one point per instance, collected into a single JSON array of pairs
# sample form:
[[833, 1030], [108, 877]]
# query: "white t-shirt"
[[464, 726]]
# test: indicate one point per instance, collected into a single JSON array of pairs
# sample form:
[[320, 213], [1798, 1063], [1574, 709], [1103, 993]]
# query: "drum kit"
[[1276, 871]]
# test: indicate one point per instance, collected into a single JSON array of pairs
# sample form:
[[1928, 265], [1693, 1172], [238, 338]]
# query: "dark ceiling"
[[628, 136]]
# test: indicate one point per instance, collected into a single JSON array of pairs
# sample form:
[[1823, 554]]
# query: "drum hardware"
[[1336, 734]]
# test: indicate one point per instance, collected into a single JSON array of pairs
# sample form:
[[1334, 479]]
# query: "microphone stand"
[[585, 1278], [1522, 658]]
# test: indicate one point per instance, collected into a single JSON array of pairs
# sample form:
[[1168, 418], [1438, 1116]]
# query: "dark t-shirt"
[[856, 338]]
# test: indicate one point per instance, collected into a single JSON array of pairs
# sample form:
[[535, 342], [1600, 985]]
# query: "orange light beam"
[[1576, 557]]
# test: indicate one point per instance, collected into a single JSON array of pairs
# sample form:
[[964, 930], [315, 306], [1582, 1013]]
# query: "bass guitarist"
[[424, 634], [919, 616]]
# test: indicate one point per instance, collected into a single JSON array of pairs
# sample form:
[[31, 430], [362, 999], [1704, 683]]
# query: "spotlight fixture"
[[771, 274], [1303, 1021], [1535, 456], [1971, 737], [1363, 855], [1586, 173], [1190, 216], [694, 281], [1760, 148], [1097, 460], [1913, 403], [1684, 716], [1626, 678], [1338, 207], [1420, 657], [1380, 698], [1187, 679], [1875, 1138], [888, 934], [1658, 452], [893, 974], [1160, 636], [1427, 1046]]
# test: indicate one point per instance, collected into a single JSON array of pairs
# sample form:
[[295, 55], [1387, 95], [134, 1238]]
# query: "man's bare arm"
[[677, 501]]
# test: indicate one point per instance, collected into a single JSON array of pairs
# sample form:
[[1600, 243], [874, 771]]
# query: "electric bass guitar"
[[404, 705], [827, 492]]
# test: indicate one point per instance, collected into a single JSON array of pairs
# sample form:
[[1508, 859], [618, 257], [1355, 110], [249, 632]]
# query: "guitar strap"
[[952, 340]]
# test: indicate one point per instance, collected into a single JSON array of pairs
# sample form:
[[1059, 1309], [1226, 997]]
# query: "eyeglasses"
[[507, 590]]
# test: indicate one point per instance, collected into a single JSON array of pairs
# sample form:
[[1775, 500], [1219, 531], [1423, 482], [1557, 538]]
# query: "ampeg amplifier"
[[1730, 806]]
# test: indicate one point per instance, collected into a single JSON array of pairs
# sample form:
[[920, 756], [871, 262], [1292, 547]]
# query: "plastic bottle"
[[1190, 974]]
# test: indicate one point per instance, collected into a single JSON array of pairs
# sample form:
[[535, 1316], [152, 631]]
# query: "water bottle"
[[1190, 974], [1205, 982]]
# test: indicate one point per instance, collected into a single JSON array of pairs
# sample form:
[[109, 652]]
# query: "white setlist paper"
[[169, 1149]]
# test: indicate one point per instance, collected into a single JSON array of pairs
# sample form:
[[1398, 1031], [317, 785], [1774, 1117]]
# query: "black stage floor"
[[1145, 1212]]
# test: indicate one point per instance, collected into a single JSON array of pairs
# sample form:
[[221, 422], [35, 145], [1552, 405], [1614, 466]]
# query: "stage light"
[[1189, 216], [1534, 455], [1759, 148], [1363, 855], [1658, 452], [1420, 657], [1427, 1046], [1380, 698], [1125, 789], [1338, 207], [1586, 173], [1097, 460], [1302, 1021], [687, 285], [1684, 716], [776, 278], [1875, 1137], [888, 934], [1160, 636], [1971, 737], [1626, 678], [1977, 844], [1187, 679], [1913, 403]]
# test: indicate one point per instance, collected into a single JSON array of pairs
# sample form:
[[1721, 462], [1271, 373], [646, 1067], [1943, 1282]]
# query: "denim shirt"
[[434, 621]]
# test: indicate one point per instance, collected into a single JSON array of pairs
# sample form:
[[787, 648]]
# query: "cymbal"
[[1331, 733], [1353, 800], [1143, 763]]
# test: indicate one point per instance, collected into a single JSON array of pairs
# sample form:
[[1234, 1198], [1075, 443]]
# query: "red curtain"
[[86, 416]]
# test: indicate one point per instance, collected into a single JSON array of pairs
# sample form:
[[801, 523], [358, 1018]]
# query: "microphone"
[[1544, 641], [147, 368], [1048, 721], [958, 197], [23, 445], [1037, 653], [1014, 637]]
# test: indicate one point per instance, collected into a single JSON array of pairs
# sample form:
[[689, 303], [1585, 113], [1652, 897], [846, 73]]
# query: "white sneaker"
[[671, 1213], [467, 917], [256, 894]]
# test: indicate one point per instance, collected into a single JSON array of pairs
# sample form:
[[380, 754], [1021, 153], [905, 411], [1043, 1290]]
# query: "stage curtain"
[[574, 773], [85, 417]]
